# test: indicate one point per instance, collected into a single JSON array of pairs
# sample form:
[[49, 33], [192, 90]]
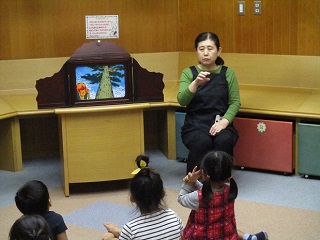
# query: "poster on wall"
[[102, 27]]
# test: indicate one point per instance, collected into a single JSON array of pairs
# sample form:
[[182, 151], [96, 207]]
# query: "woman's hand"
[[201, 78], [218, 126], [193, 176]]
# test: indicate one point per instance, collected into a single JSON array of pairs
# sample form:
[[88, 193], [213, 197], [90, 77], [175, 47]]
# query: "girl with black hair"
[[33, 198], [156, 221], [212, 202], [29, 227]]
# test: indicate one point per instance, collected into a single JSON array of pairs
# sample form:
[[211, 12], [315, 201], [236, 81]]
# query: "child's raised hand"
[[112, 228], [193, 176]]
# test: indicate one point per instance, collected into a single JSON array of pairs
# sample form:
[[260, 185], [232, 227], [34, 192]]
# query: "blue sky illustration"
[[118, 92]]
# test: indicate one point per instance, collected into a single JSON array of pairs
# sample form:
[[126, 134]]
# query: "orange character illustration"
[[83, 92]]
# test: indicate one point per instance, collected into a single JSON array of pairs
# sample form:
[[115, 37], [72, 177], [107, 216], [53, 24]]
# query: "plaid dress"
[[213, 220]]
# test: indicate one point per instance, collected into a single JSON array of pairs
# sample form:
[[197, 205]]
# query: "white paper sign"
[[102, 26]]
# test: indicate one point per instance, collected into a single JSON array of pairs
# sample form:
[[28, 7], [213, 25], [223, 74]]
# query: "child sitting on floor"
[[156, 221], [33, 198], [212, 203], [29, 227]]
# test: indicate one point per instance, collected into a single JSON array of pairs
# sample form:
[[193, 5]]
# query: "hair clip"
[[142, 162]]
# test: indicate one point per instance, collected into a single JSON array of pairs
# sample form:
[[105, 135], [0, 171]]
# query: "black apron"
[[211, 99]]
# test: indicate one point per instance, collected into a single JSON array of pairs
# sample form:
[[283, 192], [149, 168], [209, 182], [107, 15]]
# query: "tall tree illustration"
[[108, 76]]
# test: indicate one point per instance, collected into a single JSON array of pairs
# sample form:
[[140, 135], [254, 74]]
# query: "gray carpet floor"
[[288, 207]]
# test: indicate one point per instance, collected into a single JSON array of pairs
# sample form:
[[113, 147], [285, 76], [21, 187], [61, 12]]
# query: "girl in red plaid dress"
[[212, 202]]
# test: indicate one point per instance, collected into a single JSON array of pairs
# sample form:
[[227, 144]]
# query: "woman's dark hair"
[[218, 165], [29, 227], [212, 36], [32, 198], [146, 189]]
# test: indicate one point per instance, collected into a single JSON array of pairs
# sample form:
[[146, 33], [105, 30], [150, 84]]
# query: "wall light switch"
[[241, 7], [257, 7]]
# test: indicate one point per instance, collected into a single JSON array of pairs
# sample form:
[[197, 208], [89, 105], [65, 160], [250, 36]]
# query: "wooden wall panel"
[[262, 39], [309, 27], [242, 30], [293, 23], [209, 15], [278, 29], [287, 27], [45, 28], [6, 15]]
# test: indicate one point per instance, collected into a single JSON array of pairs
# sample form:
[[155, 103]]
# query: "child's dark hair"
[[29, 227], [218, 165], [142, 161], [212, 36], [146, 189], [32, 198]]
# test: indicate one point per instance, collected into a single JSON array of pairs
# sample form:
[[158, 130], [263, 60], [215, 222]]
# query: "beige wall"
[[20, 76]]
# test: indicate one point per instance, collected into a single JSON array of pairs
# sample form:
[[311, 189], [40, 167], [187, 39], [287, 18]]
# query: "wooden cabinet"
[[264, 144], [100, 146]]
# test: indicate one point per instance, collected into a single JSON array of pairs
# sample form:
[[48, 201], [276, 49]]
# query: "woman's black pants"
[[199, 143]]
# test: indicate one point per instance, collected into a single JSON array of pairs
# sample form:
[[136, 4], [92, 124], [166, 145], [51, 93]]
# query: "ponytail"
[[233, 190], [206, 191], [219, 61]]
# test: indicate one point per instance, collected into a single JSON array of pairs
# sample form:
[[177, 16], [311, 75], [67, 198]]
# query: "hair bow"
[[142, 162]]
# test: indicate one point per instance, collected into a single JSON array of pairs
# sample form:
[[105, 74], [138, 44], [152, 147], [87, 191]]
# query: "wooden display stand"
[[100, 144], [140, 84]]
